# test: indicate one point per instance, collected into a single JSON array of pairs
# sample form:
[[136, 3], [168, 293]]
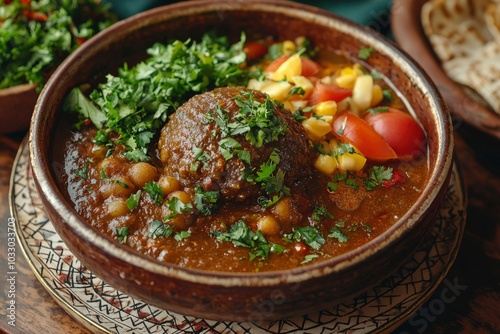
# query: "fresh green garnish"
[[377, 110], [321, 213], [310, 235], [205, 201], [84, 171], [122, 234], [387, 94], [377, 175], [242, 236], [365, 52], [35, 36], [133, 201], [182, 235], [271, 180], [154, 191], [258, 121], [336, 233], [176, 206], [158, 229], [136, 103]]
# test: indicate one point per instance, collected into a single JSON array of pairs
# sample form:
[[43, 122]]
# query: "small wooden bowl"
[[16, 107], [240, 296], [408, 32]]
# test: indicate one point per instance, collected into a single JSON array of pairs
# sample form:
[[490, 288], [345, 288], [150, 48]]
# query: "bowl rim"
[[436, 181]]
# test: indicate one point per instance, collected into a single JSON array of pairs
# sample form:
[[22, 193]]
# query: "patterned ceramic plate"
[[103, 309]]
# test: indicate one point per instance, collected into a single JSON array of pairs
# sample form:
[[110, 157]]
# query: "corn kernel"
[[277, 90], [304, 83], [326, 108], [290, 68], [377, 95], [317, 128], [288, 47], [346, 81], [326, 164], [362, 92], [351, 162]]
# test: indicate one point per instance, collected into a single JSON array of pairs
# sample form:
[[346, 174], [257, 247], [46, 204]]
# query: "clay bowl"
[[16, 107], [464, 104], [228, 296]]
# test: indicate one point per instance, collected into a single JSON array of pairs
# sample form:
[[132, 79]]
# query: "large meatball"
[[190, 146]]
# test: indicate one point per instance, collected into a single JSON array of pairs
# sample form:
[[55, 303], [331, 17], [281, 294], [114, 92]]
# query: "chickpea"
[[116, 206], [119, 186], [109, 166], [141, 173], [169, 184], [268, 225], [179, 222], [282, 209], [181, 195]]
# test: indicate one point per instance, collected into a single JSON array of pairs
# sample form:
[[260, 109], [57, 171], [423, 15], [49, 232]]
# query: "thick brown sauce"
[[365, 214]]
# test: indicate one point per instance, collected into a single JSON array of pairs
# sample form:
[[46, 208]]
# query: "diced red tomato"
[[397, 178], [254, 50], [301, 248], [35, 16], [276, 63], [352, 129], [400, 131], [309, 67], [326, 92]]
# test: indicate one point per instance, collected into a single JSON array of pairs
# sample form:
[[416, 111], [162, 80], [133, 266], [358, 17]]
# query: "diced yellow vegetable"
[[346, 81], [297, 104], [377, 95], [304, 83], [326, 108], [277, 90], [288, 47], [362, 92], [317, 128], [326, 164], [290, 68], [351, 161]]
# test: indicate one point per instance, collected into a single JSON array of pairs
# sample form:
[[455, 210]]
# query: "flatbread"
[[465, 35]]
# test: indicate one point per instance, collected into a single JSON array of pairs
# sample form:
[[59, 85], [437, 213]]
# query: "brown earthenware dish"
[[16, 107], [408, 32], [227, 296]]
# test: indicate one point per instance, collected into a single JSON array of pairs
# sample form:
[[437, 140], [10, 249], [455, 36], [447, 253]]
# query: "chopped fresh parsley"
[[365, 52], [35, 36], [377, 110], [377, 175], [176, 207], [321, 213], [154, 191], [133, 200], [336, 233], [122, 234], [310, 235], [242, 236], [258, 121], [205, 201], [158, 229], [182, 235], [387, 94], [136, 103], [271, 180]]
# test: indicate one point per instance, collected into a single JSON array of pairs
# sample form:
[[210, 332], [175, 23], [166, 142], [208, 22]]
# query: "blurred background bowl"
[[242, 296]]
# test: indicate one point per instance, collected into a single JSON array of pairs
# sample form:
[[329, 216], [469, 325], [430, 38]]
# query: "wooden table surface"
[[476, 271]]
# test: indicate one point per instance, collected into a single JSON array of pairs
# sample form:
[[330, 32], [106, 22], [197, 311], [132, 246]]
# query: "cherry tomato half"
[[354, 130], [254, 50], [400, 131], [326, 92]]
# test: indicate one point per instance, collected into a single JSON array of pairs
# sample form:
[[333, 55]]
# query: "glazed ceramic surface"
[[103, 308], [226, 296]]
